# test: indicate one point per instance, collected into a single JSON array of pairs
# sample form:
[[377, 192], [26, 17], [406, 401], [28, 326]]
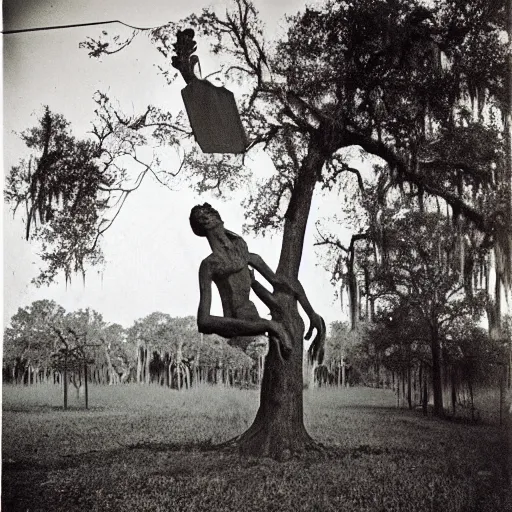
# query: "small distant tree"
[[30, 340], [400, 342], [474, 358], [164, 348], [148, 336], [419, 274], [116, 353], [87, 343], [341, 348]]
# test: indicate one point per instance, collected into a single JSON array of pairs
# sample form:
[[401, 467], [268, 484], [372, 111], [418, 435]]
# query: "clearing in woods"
[[149, 448]]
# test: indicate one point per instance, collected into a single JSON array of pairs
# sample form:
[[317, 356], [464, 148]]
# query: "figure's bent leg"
[[231, 327], [282, 335]]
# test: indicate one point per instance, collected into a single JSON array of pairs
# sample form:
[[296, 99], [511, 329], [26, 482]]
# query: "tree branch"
[[394, 161]]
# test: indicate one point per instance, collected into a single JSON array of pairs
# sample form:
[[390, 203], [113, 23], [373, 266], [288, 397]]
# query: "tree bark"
[[278, 430], [409, 385], [86, 386], [147, 357], [139, 364], [111, 374], [437, 387]]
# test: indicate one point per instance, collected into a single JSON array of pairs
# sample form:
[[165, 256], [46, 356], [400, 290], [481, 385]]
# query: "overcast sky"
[[152, 255]]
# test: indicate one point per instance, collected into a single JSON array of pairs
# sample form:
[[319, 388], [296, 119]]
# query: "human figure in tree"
[[228, 267]]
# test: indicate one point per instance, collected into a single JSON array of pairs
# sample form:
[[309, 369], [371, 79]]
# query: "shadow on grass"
[[52, 408], [199, 446], [462, 416], [379, 408], [326, 451]]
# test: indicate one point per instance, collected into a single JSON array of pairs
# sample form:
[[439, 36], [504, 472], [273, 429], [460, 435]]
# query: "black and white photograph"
[[257, 256]]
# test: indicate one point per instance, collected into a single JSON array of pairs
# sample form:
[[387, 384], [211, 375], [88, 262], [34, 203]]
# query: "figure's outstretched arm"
[[230, 327], [316, 321], [256, 261], [316, 350], [263, 294]]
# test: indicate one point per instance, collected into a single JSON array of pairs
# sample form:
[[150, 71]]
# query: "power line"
[[56, 27]]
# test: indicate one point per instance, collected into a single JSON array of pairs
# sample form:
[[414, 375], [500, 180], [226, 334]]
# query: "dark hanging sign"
[[211, 110], [214, 117]]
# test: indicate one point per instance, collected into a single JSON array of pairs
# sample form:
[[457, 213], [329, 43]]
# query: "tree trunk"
[[471, 397], [167, 363], [65, 381], [197, 362], [186, 371], [86, 389], [509, 373], [278, 430], [111, 376], [147, 357], [454, 391], [424, 400], [409, 385], [139, 364], [437, 387], [179, 359], [77, 381], [415, 385], [398, 389]]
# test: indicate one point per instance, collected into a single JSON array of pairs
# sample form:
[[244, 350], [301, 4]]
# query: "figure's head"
[[204, 217]]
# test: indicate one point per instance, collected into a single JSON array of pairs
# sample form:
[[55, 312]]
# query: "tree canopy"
[[420, 86]]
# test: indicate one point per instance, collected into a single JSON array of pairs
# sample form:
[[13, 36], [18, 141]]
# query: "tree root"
[[245, 445], [227, 445]]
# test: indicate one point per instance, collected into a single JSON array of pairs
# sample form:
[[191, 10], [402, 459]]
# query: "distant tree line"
[[394, 352], [420, 281], [45, 344]]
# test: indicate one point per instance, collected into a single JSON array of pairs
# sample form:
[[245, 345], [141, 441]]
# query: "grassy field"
[[144, 448]]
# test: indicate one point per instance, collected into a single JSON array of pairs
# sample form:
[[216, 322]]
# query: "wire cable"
[[56, 27]]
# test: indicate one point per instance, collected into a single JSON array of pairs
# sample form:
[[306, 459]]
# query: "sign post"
[[211, 110]]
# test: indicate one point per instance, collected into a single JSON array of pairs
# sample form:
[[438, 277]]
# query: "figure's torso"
[[230, 273]]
